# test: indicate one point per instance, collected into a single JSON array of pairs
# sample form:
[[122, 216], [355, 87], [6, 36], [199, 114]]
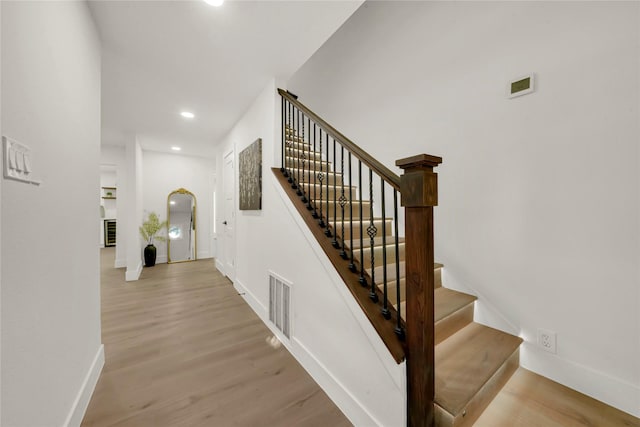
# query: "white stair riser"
[[365, 224], [298, 152], [378, 256], [333, 192], [307, 165], [311, 178]]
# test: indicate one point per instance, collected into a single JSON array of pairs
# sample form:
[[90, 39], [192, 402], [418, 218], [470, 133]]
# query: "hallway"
[[183, 349]]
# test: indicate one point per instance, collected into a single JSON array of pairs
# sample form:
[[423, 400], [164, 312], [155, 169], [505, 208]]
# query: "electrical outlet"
[[547, 340]]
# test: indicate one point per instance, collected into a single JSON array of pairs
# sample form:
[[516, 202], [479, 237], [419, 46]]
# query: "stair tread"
[[447, 302], [391, 270], [307, 170], [391, 288], [377, 241], [320, 165], [466, 361], [346, 206], [306, 159], [376, 220], [338, 187]]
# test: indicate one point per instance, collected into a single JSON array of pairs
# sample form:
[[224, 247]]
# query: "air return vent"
[[280, 304]]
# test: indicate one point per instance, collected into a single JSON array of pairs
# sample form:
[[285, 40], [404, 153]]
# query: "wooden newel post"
[[419, 191]]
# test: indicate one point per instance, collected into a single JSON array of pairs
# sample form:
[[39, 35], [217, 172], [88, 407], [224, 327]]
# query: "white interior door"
[[228, 220]]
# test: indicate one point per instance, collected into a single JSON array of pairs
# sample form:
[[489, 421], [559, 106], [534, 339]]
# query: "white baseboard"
[[79, 407], [219, 266], [132, 275], [120, 263], [343, 398], [163, 259], [250, 298], [612, 391]]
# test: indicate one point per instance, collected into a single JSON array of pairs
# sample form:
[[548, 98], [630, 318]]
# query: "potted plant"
[[149, 231]]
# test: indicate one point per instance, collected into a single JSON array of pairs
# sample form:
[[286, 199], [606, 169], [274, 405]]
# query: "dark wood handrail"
[[356, 151]]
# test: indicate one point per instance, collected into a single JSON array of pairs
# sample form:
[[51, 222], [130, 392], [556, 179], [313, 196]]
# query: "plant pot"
[[149, 256]]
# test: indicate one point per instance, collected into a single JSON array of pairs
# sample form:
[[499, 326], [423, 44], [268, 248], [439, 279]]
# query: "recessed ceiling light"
[[176, 148], [172, 202], [187, 115], [215, 3]]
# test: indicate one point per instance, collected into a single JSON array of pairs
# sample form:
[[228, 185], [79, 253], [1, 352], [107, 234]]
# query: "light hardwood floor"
[[184, 349], [529, 400]]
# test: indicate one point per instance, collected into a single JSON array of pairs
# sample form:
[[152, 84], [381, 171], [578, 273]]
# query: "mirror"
[[181, 233]]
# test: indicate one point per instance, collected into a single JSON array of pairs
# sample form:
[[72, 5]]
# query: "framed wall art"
[[250, 171]]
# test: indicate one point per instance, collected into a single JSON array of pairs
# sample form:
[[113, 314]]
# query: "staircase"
[[362, 237]]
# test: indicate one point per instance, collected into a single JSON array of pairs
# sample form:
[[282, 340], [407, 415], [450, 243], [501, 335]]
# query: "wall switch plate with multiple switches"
[[547, 340], [17, 161]]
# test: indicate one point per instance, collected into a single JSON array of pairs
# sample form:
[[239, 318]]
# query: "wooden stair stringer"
[[384, 327]]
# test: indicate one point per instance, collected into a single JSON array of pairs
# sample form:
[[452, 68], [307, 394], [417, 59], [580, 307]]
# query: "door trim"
[[231, 275]]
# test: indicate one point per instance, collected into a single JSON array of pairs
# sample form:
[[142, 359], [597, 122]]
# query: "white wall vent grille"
[[280, 304]]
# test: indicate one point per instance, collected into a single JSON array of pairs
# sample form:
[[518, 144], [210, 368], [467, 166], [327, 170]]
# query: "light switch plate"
[[17, 164]]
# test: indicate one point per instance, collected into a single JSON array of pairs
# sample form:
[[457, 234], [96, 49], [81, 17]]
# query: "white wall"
[[51, 350], [332, 338], [539, 195], [115, 155], [1, 133], [133, 217], [164, 173]]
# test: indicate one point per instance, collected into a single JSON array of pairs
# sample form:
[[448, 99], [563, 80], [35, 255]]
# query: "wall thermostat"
[[521, 86]]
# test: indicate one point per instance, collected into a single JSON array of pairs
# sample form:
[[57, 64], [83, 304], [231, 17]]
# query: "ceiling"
[[164, 57]]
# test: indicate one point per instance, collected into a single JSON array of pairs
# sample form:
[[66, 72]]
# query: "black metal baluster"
[[352, 265], [372, 231], [385, 308], [292, 159], [398, 330], [312, 158], [283, 168], [362, 279], [321, 176], [315, 174], [334, 242], [302, 158], [327, 231], [290, 143], [343, 202]]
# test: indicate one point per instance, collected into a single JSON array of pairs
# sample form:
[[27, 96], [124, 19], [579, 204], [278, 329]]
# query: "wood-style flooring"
[[529, 400], [184, 349]]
